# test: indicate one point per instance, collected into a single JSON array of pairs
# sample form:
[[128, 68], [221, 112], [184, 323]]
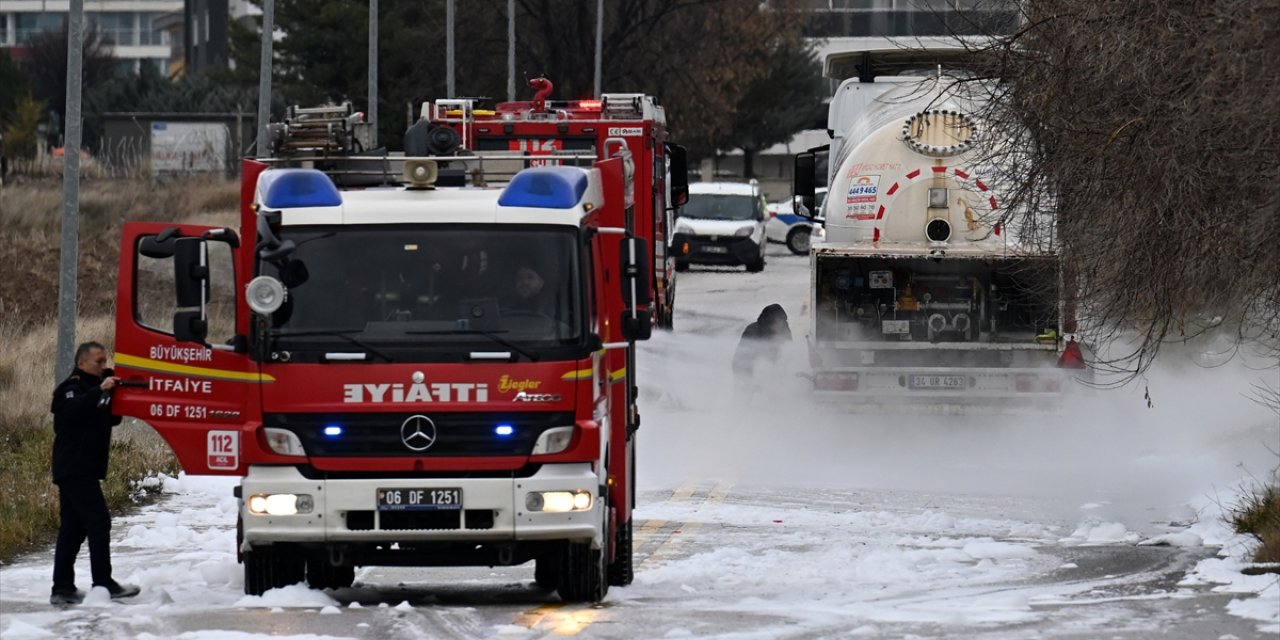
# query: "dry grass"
[[30, 214], [1258, 515]]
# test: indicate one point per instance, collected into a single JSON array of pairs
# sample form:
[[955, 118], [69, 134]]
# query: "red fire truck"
[[403, 373], [549, 130]]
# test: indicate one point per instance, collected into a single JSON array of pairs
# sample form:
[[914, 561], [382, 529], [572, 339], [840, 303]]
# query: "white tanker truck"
[[918, 296]]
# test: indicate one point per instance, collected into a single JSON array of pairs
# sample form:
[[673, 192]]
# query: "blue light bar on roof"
[[545, 188], [289, 188]]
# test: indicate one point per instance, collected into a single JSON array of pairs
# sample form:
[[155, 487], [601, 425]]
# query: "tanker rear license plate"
[[937, 382], [715, 249], [419, 499]]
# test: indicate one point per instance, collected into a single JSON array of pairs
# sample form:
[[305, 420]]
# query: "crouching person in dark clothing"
[[82, 423], [761, 342]]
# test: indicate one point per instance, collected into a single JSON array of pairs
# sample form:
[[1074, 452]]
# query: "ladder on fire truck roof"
[[334, 139]]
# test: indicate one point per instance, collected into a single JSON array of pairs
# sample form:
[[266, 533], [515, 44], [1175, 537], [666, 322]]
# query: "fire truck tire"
[[322, 575], [546, 571], [583, 570], [270, 567], [798, 240], [582, 573], [621, 572]]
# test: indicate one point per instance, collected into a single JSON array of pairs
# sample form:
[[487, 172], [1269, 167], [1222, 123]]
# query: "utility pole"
[[511, 50], [599, 40], [70, 257], [373, 74], [448, 48], [264, 75]]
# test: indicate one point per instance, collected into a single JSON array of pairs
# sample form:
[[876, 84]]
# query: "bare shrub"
[[1149, 128]]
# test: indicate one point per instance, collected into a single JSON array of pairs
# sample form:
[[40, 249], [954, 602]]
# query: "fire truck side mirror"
[[803, 183], [637, 320], [679, 181], [191, 282]]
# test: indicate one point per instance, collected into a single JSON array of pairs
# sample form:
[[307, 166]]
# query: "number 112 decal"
[[224, 449]]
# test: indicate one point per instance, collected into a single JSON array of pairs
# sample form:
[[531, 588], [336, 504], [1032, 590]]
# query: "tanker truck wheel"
[[798, 240]]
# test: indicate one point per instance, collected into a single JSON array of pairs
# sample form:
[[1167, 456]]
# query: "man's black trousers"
[[84, 515]]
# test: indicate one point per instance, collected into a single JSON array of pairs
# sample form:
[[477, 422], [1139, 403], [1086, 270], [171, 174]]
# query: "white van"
[[723, 224]]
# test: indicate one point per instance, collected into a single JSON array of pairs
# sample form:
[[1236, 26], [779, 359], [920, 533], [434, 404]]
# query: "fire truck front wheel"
[[584, 570], [270, 567], [546, 570], [322, 574], [621, 572]]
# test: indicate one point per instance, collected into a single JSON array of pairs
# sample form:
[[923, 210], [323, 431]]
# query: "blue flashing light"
[[504, 430], [545, 188], [333, 431], [289, 188]]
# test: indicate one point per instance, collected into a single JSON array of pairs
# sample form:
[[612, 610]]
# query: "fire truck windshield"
[[408, 290]]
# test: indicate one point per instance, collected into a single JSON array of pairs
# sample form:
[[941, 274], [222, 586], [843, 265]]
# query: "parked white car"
[[794, 230], [722, 224]]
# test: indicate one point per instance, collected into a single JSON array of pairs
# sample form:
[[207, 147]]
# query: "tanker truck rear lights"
[[292, 188], [545, 188], [1033, 383], [836, 382]]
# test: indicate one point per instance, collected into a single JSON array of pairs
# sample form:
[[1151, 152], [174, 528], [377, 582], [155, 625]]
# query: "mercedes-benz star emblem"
[[418, 432]]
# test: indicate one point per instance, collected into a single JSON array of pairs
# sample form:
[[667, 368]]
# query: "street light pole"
[[373, 74], [264, 75], [70, 258], [448, 47]]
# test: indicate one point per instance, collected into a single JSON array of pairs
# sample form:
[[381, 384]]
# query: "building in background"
[[846, 25], [173, 36], [134, 28]]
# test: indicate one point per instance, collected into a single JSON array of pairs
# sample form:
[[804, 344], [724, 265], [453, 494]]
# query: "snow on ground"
[[1109, 471]]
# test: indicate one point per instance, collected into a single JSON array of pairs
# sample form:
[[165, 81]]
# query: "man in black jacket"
[[82, 423], [761, 341]]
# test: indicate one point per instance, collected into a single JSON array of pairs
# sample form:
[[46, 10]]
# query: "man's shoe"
[[66, 598], [118, 590]]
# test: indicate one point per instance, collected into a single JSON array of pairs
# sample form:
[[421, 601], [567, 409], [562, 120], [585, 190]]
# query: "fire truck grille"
[[394, 434]]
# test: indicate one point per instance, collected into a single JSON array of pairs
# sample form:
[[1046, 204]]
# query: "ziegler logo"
[[507, 383], [536, 397], [416, 392]]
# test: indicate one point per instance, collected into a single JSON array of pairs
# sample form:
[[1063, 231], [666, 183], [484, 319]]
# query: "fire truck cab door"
[[179, 347]]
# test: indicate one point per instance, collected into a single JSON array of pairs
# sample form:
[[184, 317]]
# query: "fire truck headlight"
[[280, 504], [284, 442], [265, 294], [553, 440], [558, 501]]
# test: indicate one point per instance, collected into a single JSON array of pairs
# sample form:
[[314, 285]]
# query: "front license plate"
[[449, 499], [937, 382], [715, 249]]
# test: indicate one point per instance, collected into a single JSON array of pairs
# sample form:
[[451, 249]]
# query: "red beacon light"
[[590, 105]]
